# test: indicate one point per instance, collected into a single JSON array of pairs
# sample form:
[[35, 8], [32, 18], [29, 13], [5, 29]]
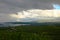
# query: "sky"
[[56, 6], [24, 10]]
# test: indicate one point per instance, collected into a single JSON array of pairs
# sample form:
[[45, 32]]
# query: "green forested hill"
[[30, 33]]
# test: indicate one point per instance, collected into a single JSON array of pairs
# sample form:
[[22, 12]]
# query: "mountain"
[[12, 24]]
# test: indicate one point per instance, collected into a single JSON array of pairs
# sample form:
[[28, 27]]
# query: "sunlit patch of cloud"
[[36, 14]]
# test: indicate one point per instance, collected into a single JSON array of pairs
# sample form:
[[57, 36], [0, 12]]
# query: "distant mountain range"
[[6, 24]]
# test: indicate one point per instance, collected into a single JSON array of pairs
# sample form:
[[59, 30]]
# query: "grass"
[[30, 33]]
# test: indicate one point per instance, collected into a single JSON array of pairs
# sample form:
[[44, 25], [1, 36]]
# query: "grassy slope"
[[30, 33]]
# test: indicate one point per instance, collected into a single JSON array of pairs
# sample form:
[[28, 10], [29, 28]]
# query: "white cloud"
[[36, 14], [31, 15]]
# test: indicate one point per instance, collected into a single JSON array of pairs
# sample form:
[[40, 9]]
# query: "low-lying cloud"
[[36, 14]]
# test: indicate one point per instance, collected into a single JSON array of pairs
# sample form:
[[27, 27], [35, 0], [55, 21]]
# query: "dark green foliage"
[[30, 33]]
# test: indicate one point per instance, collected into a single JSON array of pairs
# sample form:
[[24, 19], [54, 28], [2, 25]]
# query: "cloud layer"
[[29, 4], [36, 14], [12, 10]]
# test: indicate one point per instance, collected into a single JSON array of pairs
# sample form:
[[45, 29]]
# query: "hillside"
[[30, 33]]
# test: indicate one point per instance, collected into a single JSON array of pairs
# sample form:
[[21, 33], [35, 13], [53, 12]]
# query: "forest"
[[29, 32]]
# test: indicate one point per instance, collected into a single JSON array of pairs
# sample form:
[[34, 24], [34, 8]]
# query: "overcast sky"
[[8, 7]]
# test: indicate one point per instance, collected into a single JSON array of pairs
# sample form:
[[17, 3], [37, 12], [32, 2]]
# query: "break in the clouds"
[[56, 6], [29, 10]]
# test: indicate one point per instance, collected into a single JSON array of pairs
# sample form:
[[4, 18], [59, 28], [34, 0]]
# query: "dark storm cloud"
[[11, 6], [29, 4]]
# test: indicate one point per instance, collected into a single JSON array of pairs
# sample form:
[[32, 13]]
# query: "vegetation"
[[30, 33]]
